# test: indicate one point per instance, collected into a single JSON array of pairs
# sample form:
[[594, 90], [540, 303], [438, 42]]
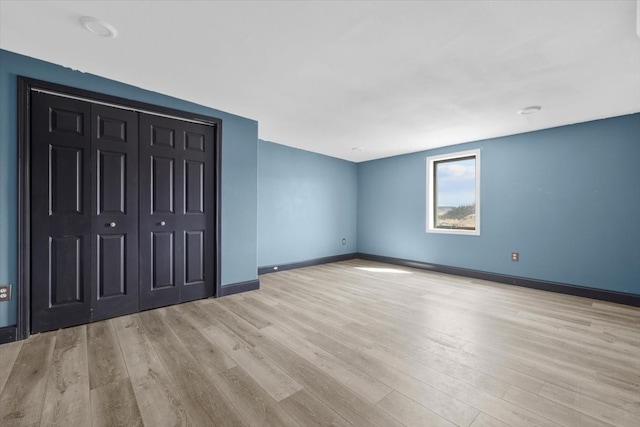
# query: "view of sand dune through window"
[[455, 194], [453, 199]]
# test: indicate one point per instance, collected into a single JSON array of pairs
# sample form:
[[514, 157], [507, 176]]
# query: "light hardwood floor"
[[353, 343]]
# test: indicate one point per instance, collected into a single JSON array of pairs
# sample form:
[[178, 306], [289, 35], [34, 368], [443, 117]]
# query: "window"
[[453, 193]]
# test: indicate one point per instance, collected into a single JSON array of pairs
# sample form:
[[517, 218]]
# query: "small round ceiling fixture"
[[98, 27], [530, 110], [357, 149]]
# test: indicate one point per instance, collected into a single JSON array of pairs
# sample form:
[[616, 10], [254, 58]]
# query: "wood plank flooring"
[[354, 343]]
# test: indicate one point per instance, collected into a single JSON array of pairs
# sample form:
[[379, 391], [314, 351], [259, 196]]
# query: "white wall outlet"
[[5, 293]]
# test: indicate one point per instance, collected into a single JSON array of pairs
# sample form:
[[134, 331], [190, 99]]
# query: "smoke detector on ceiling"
[[98, 27], [530, 110]]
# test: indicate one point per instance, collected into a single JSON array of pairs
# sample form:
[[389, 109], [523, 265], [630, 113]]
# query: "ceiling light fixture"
[[357, 149], [530, 110], [99, 27]]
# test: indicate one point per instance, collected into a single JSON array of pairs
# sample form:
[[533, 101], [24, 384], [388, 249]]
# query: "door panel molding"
[[70, 124], [174, 199], [114, 232], [60, 221]]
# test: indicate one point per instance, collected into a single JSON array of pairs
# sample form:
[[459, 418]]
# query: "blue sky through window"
[[456, 182]]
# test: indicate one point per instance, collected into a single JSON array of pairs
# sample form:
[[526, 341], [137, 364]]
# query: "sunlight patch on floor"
[[382, 270]]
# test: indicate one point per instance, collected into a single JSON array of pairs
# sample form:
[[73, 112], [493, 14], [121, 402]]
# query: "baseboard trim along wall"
[[307, 263], [563, 288], [237, 288], [8, 334]]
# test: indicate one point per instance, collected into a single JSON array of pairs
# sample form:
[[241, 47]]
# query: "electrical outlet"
[[515, 256], [5, 293], [344, 241]]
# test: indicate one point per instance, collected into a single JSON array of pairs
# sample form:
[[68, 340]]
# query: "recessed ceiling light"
[[530, 110], [99, 27], [357, 149]]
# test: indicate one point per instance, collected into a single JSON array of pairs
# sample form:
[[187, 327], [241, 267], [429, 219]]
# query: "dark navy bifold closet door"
[[122, 211], [114, 192], [60, 212], [176, 211], [84, 212]]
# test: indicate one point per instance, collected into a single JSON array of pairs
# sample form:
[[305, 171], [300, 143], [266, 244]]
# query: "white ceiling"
[[327, 76]]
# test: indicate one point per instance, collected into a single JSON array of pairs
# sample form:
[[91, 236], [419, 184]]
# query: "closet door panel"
[[115, 212], [161, 192], [198, 211], [60, 220], [176, 211]]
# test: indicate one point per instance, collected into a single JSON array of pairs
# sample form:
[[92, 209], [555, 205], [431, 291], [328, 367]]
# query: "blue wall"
[[567, 199], [306, 205], [239, 168]]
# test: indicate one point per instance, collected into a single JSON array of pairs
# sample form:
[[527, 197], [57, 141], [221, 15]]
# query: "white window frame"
[[431, 160]]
